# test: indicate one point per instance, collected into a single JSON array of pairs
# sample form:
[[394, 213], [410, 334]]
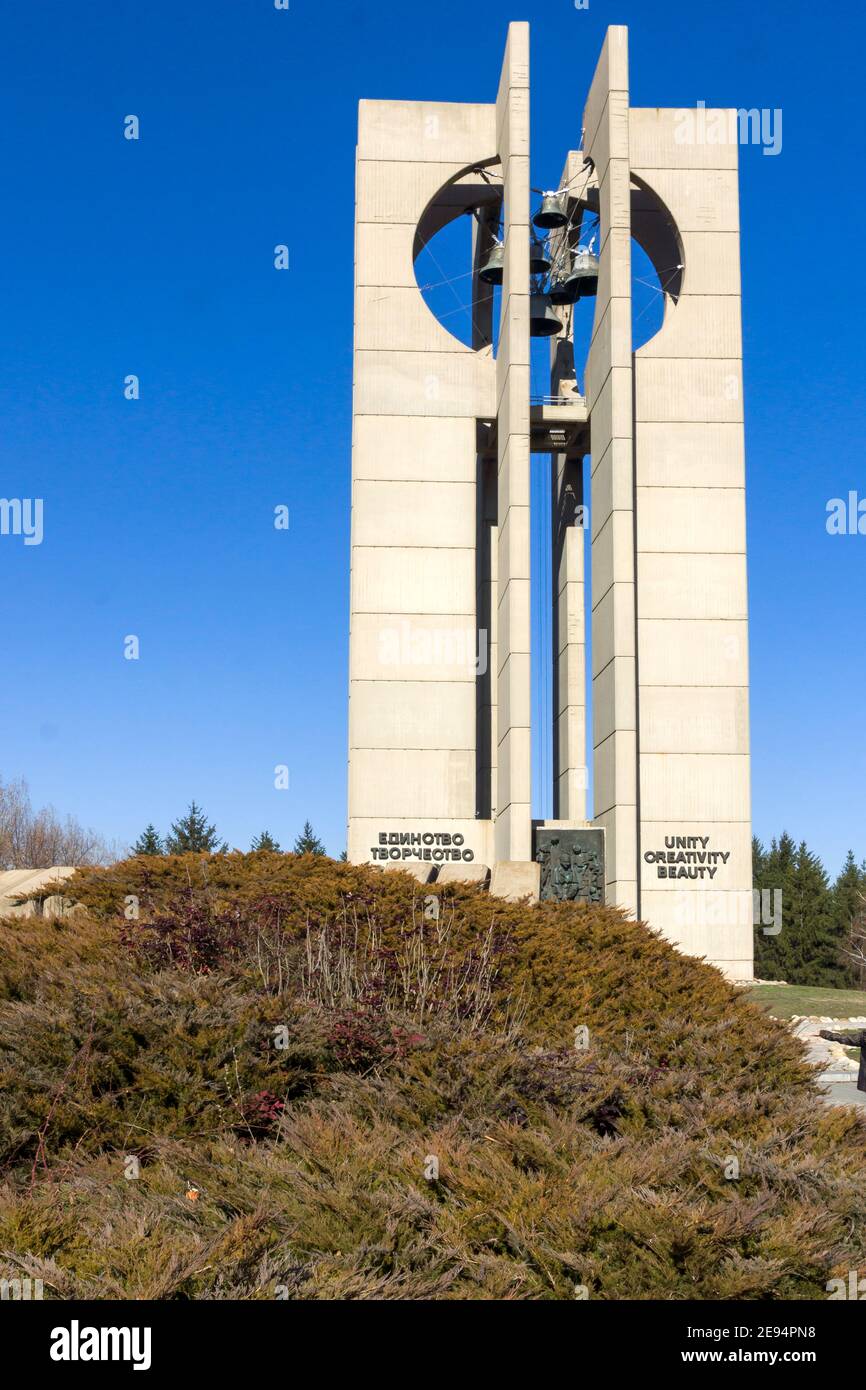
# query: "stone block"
[[463, 873], [420, 871], [516, 880]]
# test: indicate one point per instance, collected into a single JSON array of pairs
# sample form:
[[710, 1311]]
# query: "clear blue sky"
[[155, 257]]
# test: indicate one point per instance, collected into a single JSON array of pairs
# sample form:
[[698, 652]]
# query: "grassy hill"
[[229, 1076]]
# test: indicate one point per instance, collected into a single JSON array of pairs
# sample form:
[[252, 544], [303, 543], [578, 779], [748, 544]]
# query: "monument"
[[652, 447]]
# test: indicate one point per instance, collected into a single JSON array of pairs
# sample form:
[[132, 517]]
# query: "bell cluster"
[[561, 285]]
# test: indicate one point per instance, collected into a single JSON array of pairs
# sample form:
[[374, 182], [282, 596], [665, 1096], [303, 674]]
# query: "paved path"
[[840, 1072], [844, 1093]]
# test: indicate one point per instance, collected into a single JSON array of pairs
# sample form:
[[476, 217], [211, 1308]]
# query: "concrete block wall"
[[692, 613], [425, 735], [669, 601], [418, 392]]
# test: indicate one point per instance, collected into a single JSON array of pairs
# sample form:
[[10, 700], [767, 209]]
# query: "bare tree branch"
[[40, 840]]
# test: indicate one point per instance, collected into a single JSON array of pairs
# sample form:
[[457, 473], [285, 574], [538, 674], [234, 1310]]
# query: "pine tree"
[[149, 842], [771, 870], [759, 859], [308, 842], [814, 941], [808, 950], [264, 842], [192, 835]]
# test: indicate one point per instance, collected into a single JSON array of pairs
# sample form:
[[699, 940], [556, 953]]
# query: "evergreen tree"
[[308, 842], [759, 859], [192, 835], [264, 842], [771, 870], [814, 941], [808, 950], [149, 842]]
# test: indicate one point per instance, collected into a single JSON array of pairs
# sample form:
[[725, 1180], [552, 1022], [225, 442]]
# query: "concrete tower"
[[444, 431]]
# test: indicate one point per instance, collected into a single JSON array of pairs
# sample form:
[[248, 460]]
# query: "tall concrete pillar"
[[669, 622], [439, 745], [569, 640], [569, 511], [513, 826], [609, 399], [418, 392], [693, 694]]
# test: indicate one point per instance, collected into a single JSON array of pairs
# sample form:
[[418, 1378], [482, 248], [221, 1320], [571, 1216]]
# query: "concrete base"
[[516, 881], [55, 908], [463, 873], [16, 883], [420, 871]]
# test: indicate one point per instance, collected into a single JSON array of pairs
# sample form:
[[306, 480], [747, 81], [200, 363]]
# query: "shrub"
[[294, 1037]]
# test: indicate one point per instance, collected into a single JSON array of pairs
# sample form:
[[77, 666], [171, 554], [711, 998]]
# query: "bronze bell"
[[543, 322], [552, 211], [585, 272], [491, 271], [565, 289], [539, 261]]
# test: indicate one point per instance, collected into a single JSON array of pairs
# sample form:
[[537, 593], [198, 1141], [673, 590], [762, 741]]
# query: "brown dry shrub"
[[336, 1037]]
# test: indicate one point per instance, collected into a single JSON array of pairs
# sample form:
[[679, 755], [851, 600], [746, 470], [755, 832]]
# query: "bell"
[[552, 211], [585, 272], [491, 271], [543, 322], [565, 289], [539, 261]]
